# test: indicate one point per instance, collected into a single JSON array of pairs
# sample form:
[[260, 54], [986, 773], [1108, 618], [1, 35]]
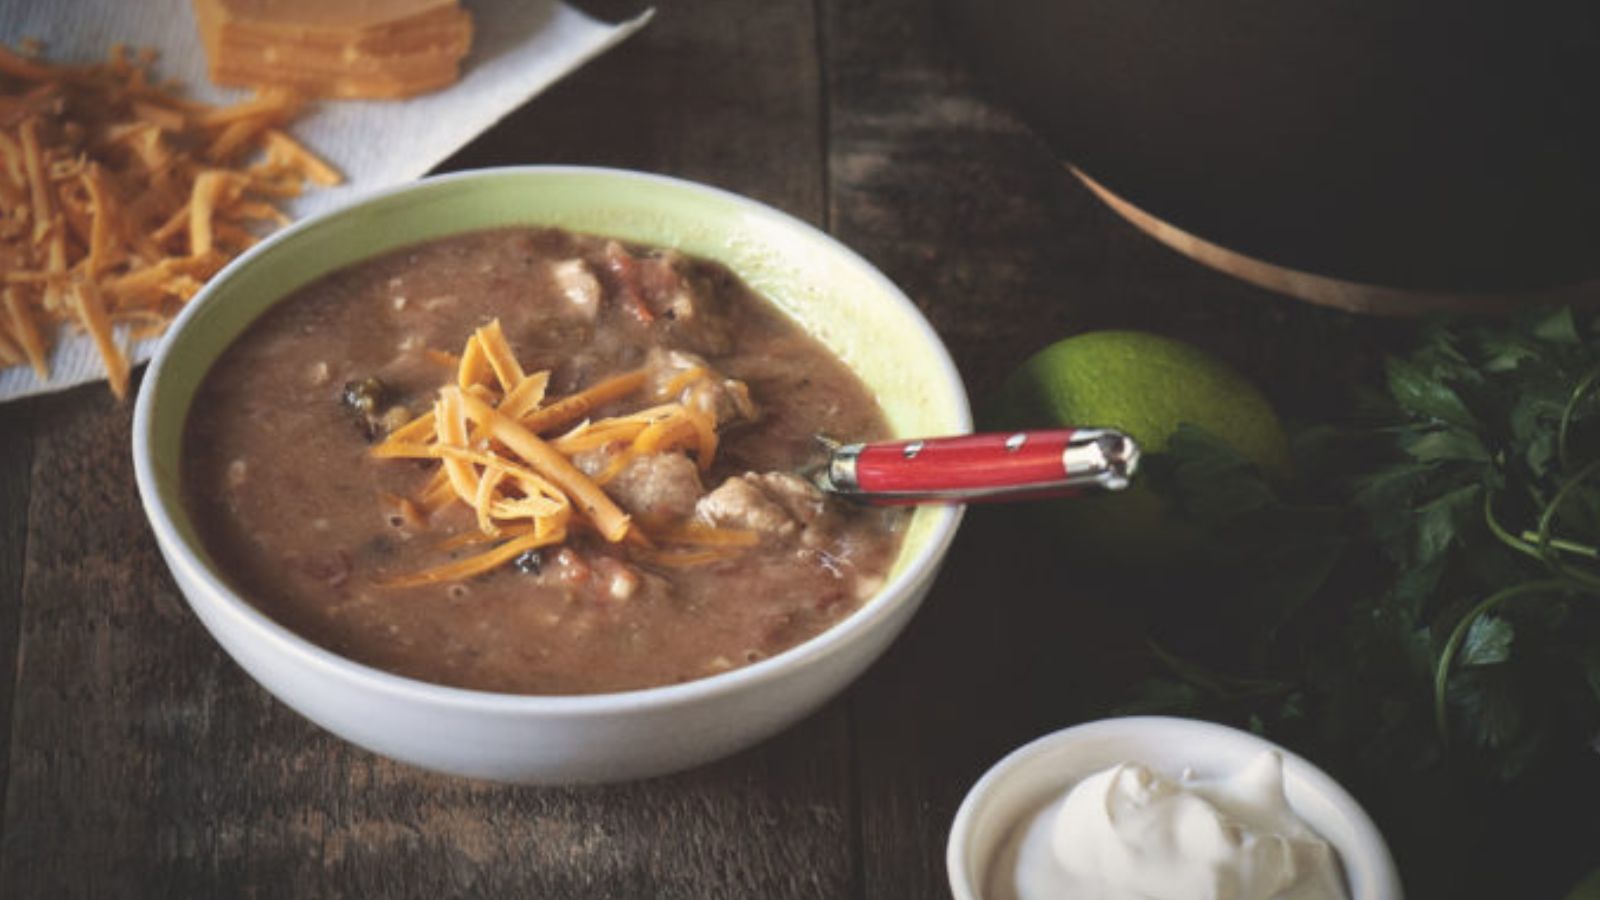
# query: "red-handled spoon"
[[973, 468]]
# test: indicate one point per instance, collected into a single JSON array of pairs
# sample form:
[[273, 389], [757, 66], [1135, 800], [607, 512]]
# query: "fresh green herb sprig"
[[1491, 519], [1418, 610], [1426, 594], [1430, 585]]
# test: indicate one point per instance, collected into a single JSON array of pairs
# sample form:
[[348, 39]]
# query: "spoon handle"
[[971, 468]]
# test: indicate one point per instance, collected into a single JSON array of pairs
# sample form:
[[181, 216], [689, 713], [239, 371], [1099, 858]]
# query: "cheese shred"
[[107, 179], [491, 428]]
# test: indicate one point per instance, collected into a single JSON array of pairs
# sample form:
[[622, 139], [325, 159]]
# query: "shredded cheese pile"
[[525, 489], [118, 199]]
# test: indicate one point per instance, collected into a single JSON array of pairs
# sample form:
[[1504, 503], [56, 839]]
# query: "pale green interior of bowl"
[[831, 293]]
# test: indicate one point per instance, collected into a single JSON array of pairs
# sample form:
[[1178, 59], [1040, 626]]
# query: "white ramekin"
[[1017, 787]]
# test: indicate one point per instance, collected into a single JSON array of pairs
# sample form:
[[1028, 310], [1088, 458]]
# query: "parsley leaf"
[[1420, 608]]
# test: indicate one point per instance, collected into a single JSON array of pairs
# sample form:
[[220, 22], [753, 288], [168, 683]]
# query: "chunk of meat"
[[624, 269], [772, 504], [656, 289], [651, 286], [658, 487], [799, 497], [577, 283], [741, 503], [666, 290], [692, 311], [727, 400]]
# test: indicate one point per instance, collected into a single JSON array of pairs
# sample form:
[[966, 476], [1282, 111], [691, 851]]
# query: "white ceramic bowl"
[[559, 739], [1017, 787]]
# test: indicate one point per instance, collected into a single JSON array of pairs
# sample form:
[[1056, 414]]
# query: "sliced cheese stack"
[[373, 49]]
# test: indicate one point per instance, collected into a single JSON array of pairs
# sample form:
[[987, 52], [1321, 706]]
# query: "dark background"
[[1414, 144]]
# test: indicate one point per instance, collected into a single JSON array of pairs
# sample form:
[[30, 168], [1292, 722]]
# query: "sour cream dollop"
[[1128, 833]]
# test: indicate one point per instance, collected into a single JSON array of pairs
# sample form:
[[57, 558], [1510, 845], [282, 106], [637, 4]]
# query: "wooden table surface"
[[142, 762]]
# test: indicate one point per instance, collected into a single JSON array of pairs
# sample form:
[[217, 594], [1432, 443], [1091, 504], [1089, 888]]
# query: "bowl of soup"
[[504, 473]]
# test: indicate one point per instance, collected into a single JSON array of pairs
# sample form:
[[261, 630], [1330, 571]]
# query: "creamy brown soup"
[[301, 518]]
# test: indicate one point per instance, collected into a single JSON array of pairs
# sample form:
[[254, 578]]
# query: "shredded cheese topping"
[[118, 199], [491, 430]]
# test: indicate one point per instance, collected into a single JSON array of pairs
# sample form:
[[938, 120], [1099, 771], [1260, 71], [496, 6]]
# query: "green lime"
[[1145, 385]]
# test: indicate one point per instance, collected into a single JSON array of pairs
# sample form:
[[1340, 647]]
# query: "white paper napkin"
[[520, 47]]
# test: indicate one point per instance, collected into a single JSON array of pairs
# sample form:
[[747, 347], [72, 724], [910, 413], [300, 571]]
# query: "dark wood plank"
[[145, 764], [17, 430], [716, 91], [1006, 252]]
